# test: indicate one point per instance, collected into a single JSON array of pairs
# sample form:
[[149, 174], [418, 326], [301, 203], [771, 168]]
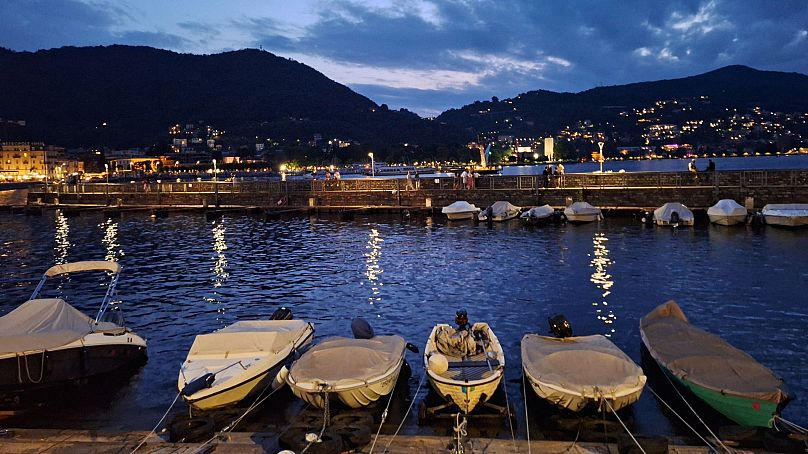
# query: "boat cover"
[[578, 365], [88, 265], [268, 336], [342, 362], [502, 207], [582, 208], [453, 342], [705, 359], [786, 209], [461, 206], [726, 207], [42, 324], [665, 211], [539, 212]]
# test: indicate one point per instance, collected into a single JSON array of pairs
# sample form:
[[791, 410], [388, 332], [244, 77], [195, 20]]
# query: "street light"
[[106, 171], [600, 145], [372, 165], [215, 185]]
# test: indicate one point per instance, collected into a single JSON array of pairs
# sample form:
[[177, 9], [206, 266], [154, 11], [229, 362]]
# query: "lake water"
[[184, 276]]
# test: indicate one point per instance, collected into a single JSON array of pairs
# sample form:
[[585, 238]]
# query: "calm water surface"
[[184, 276]]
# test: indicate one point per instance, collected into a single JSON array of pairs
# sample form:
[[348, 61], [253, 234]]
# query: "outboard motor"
[[281, 313], [462, 320], [675, 219], [560, 326], [757, 219], [361, 329], [647, 218]]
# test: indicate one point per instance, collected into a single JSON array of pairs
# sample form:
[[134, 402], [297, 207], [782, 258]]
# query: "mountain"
[[66, 95], [706, 95]]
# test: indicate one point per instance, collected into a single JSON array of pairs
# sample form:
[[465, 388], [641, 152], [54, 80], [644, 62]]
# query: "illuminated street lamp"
[[215, 185], [283, 172], [372, 165], [600, 145], [106, 171]]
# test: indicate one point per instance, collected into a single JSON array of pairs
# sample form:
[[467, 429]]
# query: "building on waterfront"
[[20, 161]]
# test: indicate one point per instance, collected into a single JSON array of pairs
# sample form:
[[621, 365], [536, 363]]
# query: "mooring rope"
[[715, 437], [704, 440], [153, 431], [604, 400], [508, 405], [384, 413], [527, 419], [325, 422], [404, 419], [793, 426]]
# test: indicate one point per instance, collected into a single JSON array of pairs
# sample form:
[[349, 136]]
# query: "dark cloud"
[[43, 24]]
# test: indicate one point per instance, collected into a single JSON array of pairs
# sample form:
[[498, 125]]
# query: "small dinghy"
[[582, 212], [356, 371], [466, 364], [727, 212], [726, 378], [575, 372], [538, 215], [460, 210], [227, 366], [673, 214], [786, 214], [500, 211]]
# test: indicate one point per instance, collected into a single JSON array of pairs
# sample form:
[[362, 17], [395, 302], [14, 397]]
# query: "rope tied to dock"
[[603, 400], [412, 401], [792, 427], [326, 415], [153, 431], [704, 440], [384, 413], [527, 418]]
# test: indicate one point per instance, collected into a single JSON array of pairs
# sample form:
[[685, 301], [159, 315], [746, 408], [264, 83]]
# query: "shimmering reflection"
[[114, 252], [602, 280], [62, 241], [219, 268], [374, 269]]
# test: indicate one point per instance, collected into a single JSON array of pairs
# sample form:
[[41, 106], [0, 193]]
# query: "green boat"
[[727, 379]]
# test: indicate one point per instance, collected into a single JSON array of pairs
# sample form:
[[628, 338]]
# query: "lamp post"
[[600, 145], [372, 165], [106, 172], [215, 185]]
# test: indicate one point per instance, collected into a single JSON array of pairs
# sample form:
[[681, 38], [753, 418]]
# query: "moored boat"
[[460, 210], [575, 372], [499, 211], [47, 343], [726, 378], [786, 214], [673, 214], [727, 212], [580, 212], [537, 215], [464, 366], [229, 365], [356, 371]]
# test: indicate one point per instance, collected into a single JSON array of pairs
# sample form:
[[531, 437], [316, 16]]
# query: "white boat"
[[537, 215], [47, 343], [727, 212], [227, 366], [460, 210], [356, 371], [786, 214], [575, 372], [673, 214], [500, 211], [582, 212], [464, 367]]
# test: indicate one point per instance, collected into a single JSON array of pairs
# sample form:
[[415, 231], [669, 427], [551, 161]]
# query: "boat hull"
[[461, 216], [465, 397], [727, 219], [577, 402], [668, 223], [786, 221], [354, 397], [233, 395]]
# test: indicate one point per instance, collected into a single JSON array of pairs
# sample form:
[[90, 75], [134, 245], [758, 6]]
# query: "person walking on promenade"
[[337, 176], [693, 169], [409, 186], [546, 176], [417, 181], [711, 166], [560, 172], [464, 179]]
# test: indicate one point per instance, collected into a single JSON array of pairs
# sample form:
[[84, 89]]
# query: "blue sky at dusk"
[[428, 56]]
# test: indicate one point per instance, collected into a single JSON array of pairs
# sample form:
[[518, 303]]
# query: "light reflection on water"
[[184, 276]]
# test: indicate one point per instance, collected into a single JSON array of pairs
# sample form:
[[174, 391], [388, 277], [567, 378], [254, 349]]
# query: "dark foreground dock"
[[24, 441]]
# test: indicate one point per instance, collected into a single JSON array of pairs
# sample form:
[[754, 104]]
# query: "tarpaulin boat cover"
[[574, 366], [582, 208], [453, 342], [343, 363], [461, 206], [539, 212], [726, 207], [42, 324], [268, 336], [88, 265], [665, 211], [704, 359], [786, 209], [502, 207]]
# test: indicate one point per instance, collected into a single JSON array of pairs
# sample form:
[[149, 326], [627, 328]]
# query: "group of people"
[[553, 176], [466, 179], [328, 175], [691, 167], [413, 184]]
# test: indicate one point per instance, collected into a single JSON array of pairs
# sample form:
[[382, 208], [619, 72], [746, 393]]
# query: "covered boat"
[[786, 214], [582, 212], [500, 211], [464, 366], [460, 210], [727, 212], [573, 372], [229, 365], [356, 371], [673, 214], [724, 377], [46, 342], [538, 215]]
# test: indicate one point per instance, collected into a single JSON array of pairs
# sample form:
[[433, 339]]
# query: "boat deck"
[[475, 367]]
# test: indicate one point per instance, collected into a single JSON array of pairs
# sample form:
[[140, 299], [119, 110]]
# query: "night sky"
[[428, 56]]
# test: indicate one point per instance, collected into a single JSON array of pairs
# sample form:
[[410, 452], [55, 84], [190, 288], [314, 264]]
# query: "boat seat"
[[483, 363]]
